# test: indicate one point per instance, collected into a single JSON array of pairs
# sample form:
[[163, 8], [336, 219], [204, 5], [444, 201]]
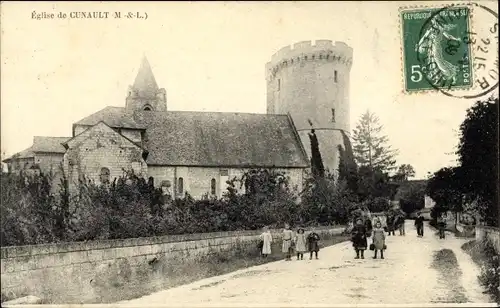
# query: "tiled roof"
[[185, 138], [26, 153], [42, 144], [49, 144], [116, 117]]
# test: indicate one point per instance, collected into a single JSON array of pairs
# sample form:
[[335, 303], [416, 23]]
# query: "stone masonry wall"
[[197, 180], [101, 147], [490, 233], [83, 272]]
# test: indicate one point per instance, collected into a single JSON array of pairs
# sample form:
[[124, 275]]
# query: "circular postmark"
[[457, 60]]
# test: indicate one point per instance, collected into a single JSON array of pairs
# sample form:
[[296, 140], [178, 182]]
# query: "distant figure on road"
[[378, 239], [391, 220], [266, 240], [401, 224], [368, 226], [358, 238], [419, 223], [313, 244], [300, 244], [287, 242], [442, 225]]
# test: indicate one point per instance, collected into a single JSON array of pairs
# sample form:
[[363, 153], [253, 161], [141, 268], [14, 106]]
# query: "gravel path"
[[409, 274]]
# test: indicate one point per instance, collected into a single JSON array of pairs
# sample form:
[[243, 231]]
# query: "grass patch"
[[483, 254], [446, 263]]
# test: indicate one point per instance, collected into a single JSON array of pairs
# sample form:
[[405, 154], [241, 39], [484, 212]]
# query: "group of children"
[[292, 241], [360, 234]]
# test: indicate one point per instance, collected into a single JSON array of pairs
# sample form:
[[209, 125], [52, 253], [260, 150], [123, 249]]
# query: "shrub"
[[129, 207], [489, 277]]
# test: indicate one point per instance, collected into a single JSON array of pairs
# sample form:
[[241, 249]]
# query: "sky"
[[209, 57]]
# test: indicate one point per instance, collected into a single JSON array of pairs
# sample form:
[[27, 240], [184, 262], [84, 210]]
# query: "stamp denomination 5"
[[442, 51]]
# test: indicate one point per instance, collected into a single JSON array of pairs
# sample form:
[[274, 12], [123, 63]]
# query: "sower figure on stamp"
[[287, 242], [358, 238], [313, 244]]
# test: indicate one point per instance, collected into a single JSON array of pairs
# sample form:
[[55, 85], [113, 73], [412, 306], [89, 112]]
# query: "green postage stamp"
[[436, 51]]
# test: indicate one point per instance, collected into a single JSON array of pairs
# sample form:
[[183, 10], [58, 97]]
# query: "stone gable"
[[102, 147]]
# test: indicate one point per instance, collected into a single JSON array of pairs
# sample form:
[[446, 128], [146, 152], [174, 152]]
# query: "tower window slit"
[[335, 76], [333, 115]]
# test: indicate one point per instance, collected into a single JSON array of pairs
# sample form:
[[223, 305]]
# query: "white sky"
[[209, 57]]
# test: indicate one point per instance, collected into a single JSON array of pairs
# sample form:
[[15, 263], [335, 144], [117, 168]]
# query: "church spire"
[[144, 94], [145, 83]]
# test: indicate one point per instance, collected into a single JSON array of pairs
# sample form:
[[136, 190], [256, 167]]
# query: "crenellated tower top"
[[321, 50]]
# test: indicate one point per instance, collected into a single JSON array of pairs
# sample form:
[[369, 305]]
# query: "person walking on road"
[[266, 240], [287, 242], [359, 238], [313, 244], [391, 224], [442, 225], [300, 244], [401, 224], [378, 240], [419, 223]]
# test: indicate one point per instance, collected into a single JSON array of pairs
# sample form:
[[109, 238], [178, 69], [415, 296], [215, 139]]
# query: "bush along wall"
[[130, 207], [490, 271]]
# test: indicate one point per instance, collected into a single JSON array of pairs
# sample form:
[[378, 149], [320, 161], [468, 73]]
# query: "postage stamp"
[[433, 55]]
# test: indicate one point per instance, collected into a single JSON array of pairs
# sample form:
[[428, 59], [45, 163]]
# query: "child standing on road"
[[313, 244], [358, 239], [286, 247], [266, 240], [378, 240], [300, 243]]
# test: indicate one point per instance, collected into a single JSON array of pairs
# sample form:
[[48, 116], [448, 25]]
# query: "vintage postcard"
[[249, 154]]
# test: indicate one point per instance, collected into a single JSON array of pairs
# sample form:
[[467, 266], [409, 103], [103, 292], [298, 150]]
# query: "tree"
[[404, 172], [348, 170], [411, 196], [317, 167], [373, 183], [444, 187], [325, 201], [478, 156], [370, 146]]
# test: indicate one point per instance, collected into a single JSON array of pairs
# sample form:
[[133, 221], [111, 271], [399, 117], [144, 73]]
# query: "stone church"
[[197, 152]]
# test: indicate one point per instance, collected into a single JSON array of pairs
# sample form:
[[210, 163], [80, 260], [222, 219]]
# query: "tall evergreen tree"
[[348, 170], [370, 146], [317, 167]]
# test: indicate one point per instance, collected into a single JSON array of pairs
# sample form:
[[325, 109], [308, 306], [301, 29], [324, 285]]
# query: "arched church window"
[[104, 176], [213, 186], [180, 185], [147, 108]]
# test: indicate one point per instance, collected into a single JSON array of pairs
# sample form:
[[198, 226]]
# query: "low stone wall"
[[490, 233], [85, 272]]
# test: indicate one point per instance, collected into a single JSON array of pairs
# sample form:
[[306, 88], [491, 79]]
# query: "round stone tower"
[[310, 82]]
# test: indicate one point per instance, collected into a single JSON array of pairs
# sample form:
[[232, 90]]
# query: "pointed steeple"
[[144, 94], [145, 82]]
